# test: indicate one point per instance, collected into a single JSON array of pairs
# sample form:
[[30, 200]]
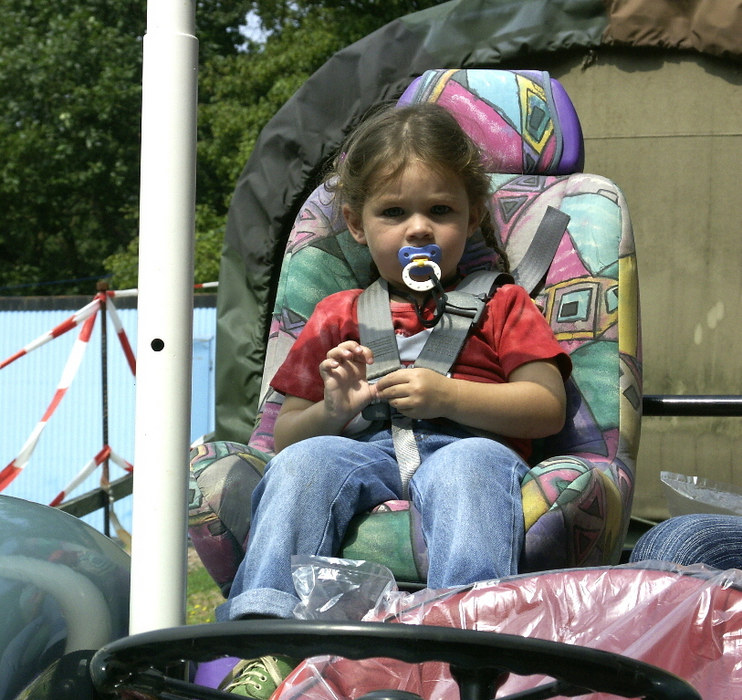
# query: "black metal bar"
[[104, 479], [479, 655], [698, 405], [98, 498]]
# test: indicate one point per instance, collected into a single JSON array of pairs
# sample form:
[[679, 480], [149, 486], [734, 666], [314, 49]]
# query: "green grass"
[[202, 594]]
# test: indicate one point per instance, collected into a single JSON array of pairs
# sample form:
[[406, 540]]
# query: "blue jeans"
[[467, 490], [714, 540]]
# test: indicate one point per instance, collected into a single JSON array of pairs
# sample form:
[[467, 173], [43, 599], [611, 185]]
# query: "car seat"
[[577, 495]]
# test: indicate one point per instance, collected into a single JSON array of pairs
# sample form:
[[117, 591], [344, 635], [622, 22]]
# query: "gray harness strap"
[[463, 309], [374, 323], [534, 264], [405, 447]]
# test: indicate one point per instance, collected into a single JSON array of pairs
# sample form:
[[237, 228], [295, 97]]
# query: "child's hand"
[[417, 393], [344, 374]]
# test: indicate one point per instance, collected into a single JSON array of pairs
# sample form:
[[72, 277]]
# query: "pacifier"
[[420, 269]]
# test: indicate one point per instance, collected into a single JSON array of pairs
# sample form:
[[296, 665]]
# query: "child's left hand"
[[416, 392]]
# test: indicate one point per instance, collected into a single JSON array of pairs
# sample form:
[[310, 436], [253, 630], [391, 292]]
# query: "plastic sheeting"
[[685, 620], [696, 494]]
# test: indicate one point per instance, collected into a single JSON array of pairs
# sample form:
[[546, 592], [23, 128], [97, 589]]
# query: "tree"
[[70, 119], [70, 73], [69, 132]]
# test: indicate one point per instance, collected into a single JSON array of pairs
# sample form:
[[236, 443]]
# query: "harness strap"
[[463, 309], [374, 325], [405, 449], [534, 264]]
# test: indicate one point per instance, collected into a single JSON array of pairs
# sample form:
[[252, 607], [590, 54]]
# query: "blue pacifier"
[[417, 262]]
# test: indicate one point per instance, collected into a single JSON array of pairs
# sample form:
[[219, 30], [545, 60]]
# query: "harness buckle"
[[465, 305]]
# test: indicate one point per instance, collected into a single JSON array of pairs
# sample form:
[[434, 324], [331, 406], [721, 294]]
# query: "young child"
[[407, 177]]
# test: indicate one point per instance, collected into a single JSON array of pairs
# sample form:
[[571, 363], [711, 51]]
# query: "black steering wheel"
[[477, 659]]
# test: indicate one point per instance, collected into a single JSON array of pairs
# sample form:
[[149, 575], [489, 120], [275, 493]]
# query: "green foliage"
[[218, 27], [70, 119], [69, 123], [276, 15], [123, 265], [69, 133], [239, 95]]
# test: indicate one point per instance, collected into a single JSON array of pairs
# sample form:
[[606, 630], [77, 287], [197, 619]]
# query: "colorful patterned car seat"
[[577, 496]]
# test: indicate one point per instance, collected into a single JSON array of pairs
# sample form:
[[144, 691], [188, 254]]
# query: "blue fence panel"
[[73, 435]]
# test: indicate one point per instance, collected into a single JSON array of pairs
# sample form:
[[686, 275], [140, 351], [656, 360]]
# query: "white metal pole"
[[165, 316]]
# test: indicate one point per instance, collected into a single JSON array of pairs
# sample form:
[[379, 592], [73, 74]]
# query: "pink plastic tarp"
[[685, 620]]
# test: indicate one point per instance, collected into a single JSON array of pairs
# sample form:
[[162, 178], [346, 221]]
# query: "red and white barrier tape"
[[86, 315], [68, 374], [206, 285], [84, 473], [121, 333], [68, 324], [123, 292]]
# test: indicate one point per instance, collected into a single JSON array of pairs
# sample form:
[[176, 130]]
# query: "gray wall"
[[667, 128]]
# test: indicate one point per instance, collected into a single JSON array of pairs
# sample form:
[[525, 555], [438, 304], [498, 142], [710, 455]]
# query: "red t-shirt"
[[510, 333]]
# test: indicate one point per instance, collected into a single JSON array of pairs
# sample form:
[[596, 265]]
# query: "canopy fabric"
[[708, 26]]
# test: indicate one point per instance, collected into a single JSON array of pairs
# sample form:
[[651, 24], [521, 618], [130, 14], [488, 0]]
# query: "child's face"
[[419, 207]]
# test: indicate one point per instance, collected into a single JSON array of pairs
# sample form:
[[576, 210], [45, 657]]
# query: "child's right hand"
[[343, 371]]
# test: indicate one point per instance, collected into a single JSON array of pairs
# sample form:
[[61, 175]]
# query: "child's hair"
[[386, 142]]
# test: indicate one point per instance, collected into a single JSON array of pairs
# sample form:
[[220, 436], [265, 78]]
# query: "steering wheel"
[[476, 658]]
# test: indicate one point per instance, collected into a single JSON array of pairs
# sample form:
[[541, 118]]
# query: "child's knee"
[[311, 460], [474, 463], [476, 454]]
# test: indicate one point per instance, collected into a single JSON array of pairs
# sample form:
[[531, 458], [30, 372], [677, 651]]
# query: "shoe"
[[258, 678]]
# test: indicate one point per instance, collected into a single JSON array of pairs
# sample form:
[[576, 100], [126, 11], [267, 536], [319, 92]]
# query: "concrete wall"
[[667, 128]]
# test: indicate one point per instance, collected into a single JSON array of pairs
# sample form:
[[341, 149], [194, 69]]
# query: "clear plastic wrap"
[[685, 620], [695, 494], [330, 588]]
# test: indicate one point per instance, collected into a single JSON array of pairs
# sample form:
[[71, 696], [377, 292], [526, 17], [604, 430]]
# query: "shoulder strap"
[[464, 307], [484, 283], [376, 330], [532, 268]]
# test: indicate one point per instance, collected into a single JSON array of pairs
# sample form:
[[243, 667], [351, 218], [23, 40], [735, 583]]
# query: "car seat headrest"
[[523, 121]]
